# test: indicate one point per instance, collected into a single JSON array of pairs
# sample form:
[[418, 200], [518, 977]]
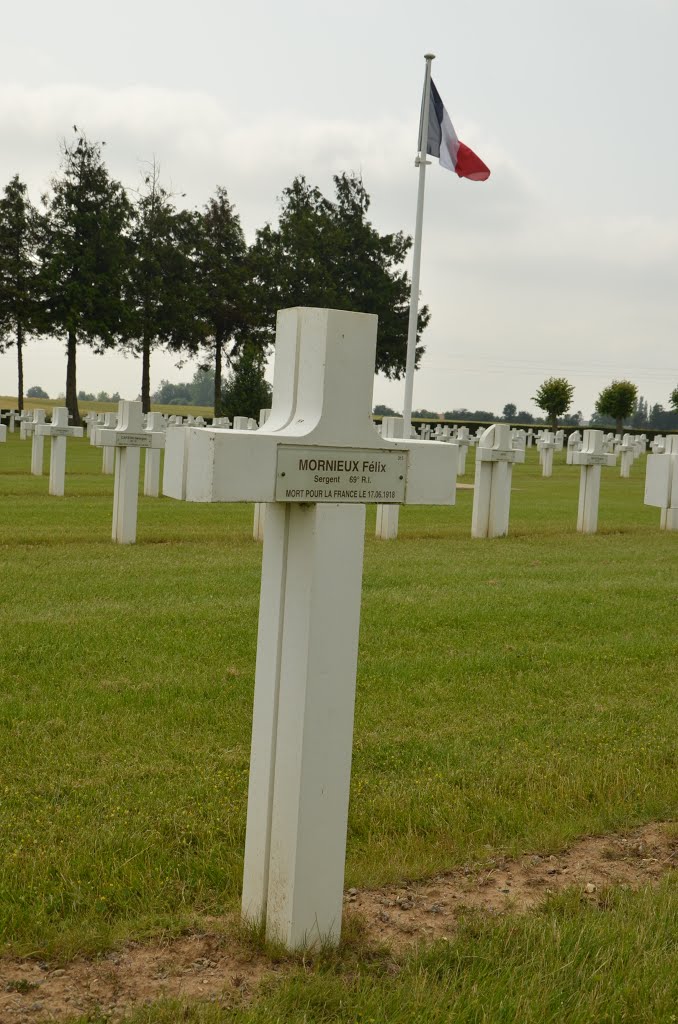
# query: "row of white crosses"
[[316, 462]]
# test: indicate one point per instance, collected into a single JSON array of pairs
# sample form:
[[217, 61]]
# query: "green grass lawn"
[[512, 694]]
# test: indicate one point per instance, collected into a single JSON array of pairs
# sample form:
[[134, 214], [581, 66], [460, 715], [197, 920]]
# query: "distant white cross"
[[495, 458], [590, 456], [59, 431], [127, 440]]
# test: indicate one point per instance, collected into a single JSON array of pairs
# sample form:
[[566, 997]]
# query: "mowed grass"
[[512, 694]]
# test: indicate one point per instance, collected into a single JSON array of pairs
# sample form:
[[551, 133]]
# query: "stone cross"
[[661, 483], [463, 442], [547, 444], [658, 445], [156, 424], [3, 433], [495, 458], [24, 419], [317, 461], [574, 444], [11, 416], [590, 456], [627, 455], [37, 442], [58, 430], [127, 440], [388, 515], [108, 457]]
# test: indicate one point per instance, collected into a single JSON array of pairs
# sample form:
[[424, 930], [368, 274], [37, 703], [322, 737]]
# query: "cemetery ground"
[[512, 826]]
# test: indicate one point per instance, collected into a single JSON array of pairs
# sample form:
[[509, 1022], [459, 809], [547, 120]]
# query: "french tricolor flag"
[[443, 142]]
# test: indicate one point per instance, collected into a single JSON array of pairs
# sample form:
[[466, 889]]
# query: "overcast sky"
[[563, 263]]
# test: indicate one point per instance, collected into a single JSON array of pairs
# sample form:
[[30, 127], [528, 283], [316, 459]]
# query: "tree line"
[[117, 268], [618, 403]]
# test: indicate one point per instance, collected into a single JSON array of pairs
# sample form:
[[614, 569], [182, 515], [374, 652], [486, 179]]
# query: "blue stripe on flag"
[[435, 121]]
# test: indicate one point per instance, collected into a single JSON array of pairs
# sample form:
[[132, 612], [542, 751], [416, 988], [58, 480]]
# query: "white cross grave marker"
[[316, 462], [388, 515], [155, 424], [37, 442], [574, 444], [463, 442], [547, 444], [591, 456], [127, 440], [59, 431], [24, 419], [661, 483], [108, 457], [626, 449], [495, 458], [3, 433]]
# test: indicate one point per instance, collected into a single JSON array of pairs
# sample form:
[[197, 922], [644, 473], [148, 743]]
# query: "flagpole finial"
[[429, 56]]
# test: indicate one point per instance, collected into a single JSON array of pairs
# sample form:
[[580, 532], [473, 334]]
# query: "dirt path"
[[217, 966]]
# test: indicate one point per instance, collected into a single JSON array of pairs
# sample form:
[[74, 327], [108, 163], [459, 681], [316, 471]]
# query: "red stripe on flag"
[[470, 166]]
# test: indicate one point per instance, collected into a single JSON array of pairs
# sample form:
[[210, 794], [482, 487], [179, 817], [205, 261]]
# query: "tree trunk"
[[554, 424], [620, 424], [146, 375], [217, 376], [20, 363], [71, 385]]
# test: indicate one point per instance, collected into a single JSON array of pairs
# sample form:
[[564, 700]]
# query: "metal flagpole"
[[420, 162]]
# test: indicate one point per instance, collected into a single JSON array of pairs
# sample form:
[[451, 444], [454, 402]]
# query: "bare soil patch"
[[401, 915], [219, 966]]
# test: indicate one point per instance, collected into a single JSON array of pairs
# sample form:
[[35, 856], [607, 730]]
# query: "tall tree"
[[161, 289], [673, 399], [246, 391], [19, 229], [327, 253], [223, 280], [84, 257], [554, 396], [617, 400]]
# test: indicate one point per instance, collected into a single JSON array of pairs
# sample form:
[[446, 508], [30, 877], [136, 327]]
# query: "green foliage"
[[509, 412], [673, 399], [246, 390], [480, 415], [554, 396], [617, 400], [198, 391], [36, 392], [383, 410], [84, 257], [327, 253], [161, 290], [227, 305], [19, 230]]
